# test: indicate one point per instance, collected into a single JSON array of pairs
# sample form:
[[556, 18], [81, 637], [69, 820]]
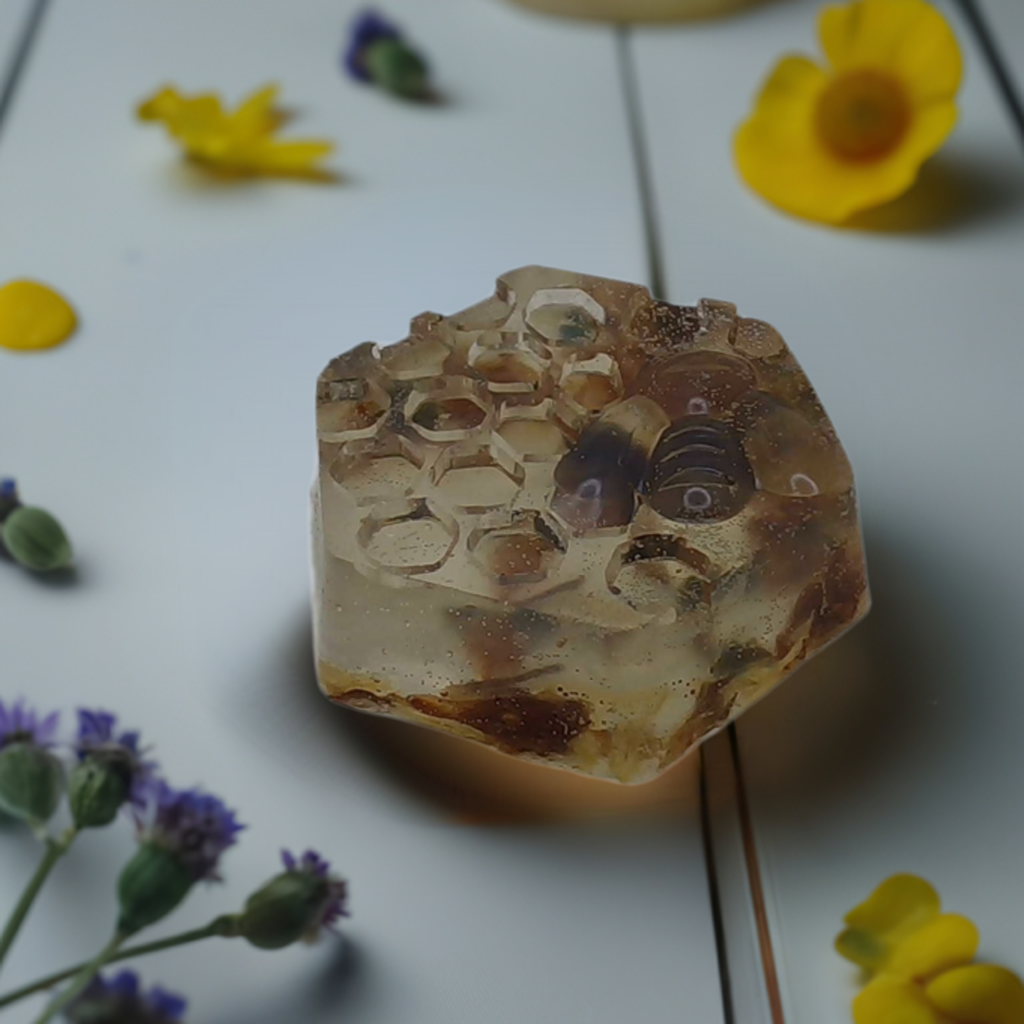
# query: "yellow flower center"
[[862, 115]]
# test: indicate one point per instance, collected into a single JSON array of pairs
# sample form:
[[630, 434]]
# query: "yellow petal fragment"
[[899, 906], [908, 38], [979, 994], [33, 317], [944, 942], [890, 1000]]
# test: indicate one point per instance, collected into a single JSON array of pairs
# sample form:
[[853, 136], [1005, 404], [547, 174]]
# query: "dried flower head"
[[194, 827], [182, 835], [120, 1000]]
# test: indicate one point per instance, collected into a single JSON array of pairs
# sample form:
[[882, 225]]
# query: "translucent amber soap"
[[577, 524]]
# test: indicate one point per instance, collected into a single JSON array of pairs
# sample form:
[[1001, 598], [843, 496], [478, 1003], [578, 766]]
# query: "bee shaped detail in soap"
[[576, 524]]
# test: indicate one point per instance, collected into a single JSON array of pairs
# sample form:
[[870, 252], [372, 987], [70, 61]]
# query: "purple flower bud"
[[335, 891], [110, 772], [368, 28], [296, 904], [98, 741], [194, 827], [121, 1000]]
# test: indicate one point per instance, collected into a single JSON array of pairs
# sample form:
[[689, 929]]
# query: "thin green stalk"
[[218, 926], [55, 849], [81, 980]]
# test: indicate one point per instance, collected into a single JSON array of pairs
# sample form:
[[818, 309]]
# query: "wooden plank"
[[174, 435], [898, 749]]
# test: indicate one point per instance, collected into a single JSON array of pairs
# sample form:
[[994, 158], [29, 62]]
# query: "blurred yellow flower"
[[921, 959], [241, 142], [825, 143]]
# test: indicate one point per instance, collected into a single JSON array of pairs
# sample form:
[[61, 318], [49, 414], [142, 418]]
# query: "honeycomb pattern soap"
[[577, 524]]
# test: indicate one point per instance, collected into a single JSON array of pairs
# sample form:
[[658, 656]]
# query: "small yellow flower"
[[827, 143], [241, 142], [921, 959]]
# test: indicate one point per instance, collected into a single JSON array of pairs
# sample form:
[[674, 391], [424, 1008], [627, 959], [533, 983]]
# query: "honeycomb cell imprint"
[[578, 525]]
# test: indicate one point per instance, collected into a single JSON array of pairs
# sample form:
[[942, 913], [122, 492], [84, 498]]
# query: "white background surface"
[[174, 436], [898, 749]]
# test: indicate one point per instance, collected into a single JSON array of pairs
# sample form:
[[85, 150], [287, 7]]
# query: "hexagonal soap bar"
[[576, 524]]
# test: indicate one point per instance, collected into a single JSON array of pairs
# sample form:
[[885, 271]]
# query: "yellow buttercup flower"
[[825, 143], [240, 142], [921, 962]]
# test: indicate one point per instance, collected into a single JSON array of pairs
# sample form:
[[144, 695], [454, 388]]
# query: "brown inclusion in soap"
[[577, 525]]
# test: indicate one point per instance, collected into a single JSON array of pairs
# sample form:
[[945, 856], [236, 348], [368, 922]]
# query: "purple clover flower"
[[97, 739], [121, 1000], [368, 28], [194, 827], [19, 723], [335, 892]]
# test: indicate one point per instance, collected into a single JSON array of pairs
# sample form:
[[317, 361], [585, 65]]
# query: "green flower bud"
[[97, 788], [151, 885], [284, 910], [31, 782], [394, 67], [35, 539]]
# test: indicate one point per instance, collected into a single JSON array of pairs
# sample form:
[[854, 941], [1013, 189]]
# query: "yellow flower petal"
[[255, 118], [979, 994], [889, 1000], [898, 907], [944, 942], [908, 38], [33, 317]]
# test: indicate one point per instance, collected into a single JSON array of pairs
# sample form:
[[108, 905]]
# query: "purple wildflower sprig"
[[376, 53], [120, 1000], [300, 903]]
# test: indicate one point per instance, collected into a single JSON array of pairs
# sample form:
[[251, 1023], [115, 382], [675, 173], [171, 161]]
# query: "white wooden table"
[[174, 437]]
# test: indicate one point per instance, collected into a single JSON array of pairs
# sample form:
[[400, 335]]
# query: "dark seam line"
[[656, 280], [728, 1013], [29, 32], [645, 184], [764, 938], [997, 65]]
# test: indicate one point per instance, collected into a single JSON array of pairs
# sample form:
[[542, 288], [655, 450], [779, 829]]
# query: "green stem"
[[81, 980], [218, 926], [55, 849]]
